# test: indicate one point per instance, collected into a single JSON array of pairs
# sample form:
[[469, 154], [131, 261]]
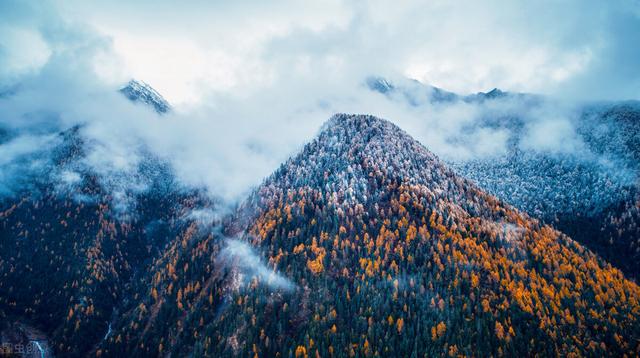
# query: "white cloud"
[[553, 135], [22, 51], [254, 82], [466, 46]]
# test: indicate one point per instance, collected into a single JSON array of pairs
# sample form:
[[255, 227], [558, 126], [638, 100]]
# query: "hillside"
[[364, 243], [74, 242], [591, 194], [389, 252], [588, 190]]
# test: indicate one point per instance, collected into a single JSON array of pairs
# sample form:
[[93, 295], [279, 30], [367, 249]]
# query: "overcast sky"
[[252, 81], [580, 49]]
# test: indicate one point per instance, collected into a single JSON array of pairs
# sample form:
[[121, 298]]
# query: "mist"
[[249, 99], [241, 255]]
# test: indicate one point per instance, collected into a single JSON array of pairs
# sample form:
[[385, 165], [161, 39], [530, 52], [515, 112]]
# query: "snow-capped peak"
[[139, 91]]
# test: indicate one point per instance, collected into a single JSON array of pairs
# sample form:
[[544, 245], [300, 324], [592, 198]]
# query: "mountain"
[[485, 96], [412, 91], [591, 192], [74, 242], [138, 91], [372, 246], [364, 243], [68, 259], [417, 93]]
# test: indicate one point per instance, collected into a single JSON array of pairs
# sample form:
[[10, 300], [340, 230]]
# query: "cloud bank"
[[584, 49], [252, 83]]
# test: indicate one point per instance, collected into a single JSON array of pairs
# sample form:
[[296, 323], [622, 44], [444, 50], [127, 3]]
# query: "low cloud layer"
[[251, 89], [577, 49]]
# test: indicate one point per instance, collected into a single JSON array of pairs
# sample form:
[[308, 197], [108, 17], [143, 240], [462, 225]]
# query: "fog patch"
[[204, 217], [554, 135], [24, 160], [238, 254]]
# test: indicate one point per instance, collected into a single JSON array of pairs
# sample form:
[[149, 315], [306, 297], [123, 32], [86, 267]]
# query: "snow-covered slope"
[[138, 91]]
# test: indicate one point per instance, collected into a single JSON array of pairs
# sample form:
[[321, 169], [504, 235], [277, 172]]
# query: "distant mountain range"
[[364, 243], [417, 93]]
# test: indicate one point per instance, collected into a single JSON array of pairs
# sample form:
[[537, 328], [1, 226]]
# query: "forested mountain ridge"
[[73, 243], [67, 266], [588, 188], [590, 194], [363, 244], [375, 227]]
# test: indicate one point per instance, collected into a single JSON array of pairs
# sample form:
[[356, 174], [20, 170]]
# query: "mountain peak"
[[494, 93], [351, 149], [357, 122], [379, 84], [415, 92], [139, 91], [368, 208]]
